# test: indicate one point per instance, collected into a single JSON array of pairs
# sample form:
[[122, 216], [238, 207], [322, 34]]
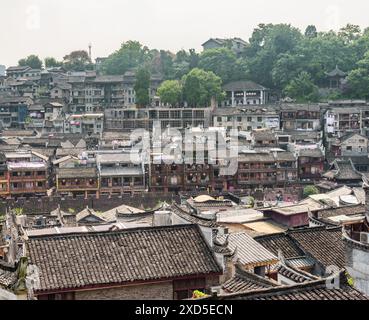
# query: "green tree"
[[266, 45], [52, 62], [32, 61], [131, 55], [184, 62], [302, 88], [223, 62], [310, 190], [200, 86], [350, 33], [77, 61], [170, 91], [142, 87], [358, 79], [311, 31], [162, 63]]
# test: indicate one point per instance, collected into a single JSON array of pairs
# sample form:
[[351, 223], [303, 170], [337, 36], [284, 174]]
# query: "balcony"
[[23, 190], [27, 178], [254, 181]]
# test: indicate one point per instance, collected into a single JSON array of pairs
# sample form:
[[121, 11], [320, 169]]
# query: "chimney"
[[162, 218]]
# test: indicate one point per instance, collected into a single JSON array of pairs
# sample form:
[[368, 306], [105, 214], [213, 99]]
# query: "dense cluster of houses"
[[247, 233], [217, 244]]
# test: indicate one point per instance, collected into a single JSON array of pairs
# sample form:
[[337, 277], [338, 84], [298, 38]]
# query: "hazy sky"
[[57, 27]]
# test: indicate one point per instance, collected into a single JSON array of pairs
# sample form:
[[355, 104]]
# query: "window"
[[199, 114], [349, 148], [164, 114]]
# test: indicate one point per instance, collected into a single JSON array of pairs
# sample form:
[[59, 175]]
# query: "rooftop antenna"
[[90, 50]]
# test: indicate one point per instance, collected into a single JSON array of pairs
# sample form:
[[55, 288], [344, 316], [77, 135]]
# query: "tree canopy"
[[359, 79], [302, 88], [277, 56], [32, 61], [170, 91], [77, 61], [224, 63], [310, 190], [51, 62], [200, 86], [131, 55], [142, 87]]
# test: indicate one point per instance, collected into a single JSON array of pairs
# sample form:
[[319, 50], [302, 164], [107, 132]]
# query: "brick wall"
[[158, 291], [103, 203]]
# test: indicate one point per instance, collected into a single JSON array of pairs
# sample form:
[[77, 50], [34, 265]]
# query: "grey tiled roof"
[[249, 251], [8, 275], [294, 275], [323, 244], [120, 257], [282, 242], [77, 173], [246, 281], [309, 291], [243, 86], [192, 218]]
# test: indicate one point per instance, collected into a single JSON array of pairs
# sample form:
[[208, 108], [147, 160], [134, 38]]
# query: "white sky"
[[57, 27]]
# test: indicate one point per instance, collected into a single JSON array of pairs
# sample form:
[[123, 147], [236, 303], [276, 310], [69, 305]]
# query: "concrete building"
[[300, 117], [244, 93], [246, 119], [130, 118], [85, 123], [237, 45]]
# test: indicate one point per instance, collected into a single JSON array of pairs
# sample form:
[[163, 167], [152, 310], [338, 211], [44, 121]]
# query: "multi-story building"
[[237, 45], [118, 174], [4, 177], [84, 123], [310, 164], [264, 138], [244, 93], [344, 116], [28, 173], [300, 117], [350, 145], [79, 180], [246, 119], [261, 169], [127, 119], [17, 72], [91, 93], [13, 111], [27, 178], [62, 92]]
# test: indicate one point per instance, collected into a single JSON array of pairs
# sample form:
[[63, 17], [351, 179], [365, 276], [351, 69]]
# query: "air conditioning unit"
[[364, 237]]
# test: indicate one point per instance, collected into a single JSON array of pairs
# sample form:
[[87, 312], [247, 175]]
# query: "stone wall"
[[45, 205], [357, 266], [157, 291]]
